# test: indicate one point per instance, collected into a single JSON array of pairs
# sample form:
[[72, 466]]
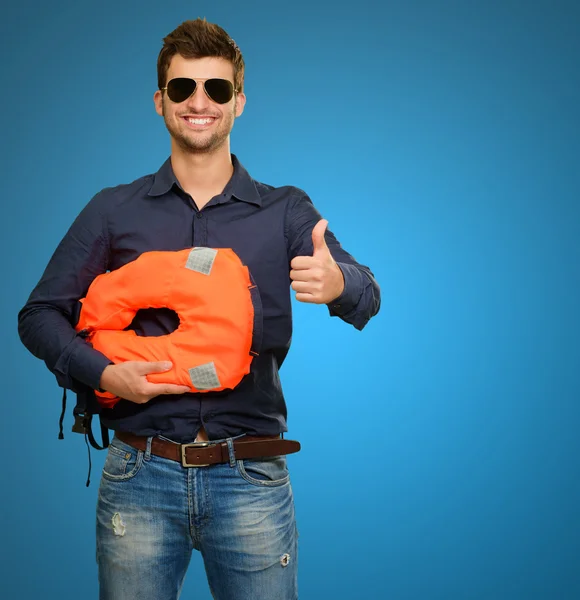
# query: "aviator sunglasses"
[[218, 90]]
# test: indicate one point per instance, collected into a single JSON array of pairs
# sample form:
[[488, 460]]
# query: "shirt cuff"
[[353, 289], [87, 365]]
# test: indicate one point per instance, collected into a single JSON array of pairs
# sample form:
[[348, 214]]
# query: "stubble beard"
[[201, 145]]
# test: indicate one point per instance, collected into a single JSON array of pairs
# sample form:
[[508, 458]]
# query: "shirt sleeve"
[[360, 299], [46, 322]]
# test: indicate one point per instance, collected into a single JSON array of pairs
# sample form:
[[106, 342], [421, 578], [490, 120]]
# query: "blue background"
[[448, 133]]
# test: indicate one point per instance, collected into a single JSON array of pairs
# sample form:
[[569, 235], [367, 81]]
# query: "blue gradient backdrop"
[[440, 446]]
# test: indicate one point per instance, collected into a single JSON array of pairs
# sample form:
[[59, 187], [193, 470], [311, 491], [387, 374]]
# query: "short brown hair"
[[200, 39]]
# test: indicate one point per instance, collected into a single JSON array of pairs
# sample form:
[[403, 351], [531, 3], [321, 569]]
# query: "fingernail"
[[168, 364]]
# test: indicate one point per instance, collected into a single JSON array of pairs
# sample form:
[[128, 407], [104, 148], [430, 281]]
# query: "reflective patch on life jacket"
[[201, 260], [205, 377]]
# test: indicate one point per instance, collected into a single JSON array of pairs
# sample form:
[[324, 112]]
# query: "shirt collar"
[[241, 186]]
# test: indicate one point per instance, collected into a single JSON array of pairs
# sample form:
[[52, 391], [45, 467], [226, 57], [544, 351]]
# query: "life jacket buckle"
[[80, 425]]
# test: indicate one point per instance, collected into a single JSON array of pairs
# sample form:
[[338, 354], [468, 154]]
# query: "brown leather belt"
[[204, 454]]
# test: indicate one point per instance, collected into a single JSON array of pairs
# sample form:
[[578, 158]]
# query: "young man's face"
[[217, 120]]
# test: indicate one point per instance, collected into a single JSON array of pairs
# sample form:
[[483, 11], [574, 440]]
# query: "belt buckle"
[[184, 447]]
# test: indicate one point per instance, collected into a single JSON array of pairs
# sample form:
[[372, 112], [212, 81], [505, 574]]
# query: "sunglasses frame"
[[197, 82]]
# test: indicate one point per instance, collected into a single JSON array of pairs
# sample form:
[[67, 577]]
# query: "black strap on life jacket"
[[83, 425], [62, 413], [258, 326]]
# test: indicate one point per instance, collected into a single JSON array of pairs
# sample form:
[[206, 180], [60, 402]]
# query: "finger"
[[170, 388], [303, 297], [301, 262], [153, 367], [300, 275], [155, 389], [318, 241], [302, 286]]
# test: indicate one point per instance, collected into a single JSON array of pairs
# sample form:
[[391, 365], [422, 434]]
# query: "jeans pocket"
[[264, 472], [123, 461]]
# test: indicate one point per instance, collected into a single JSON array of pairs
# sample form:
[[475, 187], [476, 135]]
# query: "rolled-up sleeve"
[[360, 299], [46, 322]]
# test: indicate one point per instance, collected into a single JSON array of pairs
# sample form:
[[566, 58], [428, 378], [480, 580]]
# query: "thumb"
[[156, 367], [318, 241]]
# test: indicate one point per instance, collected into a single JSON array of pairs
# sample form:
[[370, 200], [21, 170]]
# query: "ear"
[[158, 100], [240, 103]]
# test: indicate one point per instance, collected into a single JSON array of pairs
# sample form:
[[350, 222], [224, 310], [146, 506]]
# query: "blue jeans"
[[152, 512]]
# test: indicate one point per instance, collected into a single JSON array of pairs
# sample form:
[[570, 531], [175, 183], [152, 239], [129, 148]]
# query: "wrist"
[[340, 284], [106, 377]]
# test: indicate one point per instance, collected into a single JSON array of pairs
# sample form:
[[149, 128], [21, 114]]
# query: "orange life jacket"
[[214, 297]]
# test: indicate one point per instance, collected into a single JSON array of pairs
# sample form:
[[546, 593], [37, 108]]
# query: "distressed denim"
[[152, 512]]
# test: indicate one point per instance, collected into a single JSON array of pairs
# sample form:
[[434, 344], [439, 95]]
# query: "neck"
[[202, 175]]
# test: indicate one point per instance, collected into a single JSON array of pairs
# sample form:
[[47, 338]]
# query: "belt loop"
[[148, 448], [231, 452]]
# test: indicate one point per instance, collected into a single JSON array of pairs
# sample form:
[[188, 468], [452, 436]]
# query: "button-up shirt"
[[266, 227]]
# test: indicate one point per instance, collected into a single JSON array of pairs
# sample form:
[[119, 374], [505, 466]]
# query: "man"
[[153, 509]]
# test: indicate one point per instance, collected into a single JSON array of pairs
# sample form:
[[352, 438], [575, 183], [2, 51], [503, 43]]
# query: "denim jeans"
[[152, 512]]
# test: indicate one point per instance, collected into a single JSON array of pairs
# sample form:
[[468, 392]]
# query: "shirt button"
[[199, 215]]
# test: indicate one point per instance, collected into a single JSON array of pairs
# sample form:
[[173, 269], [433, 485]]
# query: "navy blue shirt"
[[266, 227]]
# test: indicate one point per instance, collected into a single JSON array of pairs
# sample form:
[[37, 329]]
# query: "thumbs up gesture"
[[317, 278]]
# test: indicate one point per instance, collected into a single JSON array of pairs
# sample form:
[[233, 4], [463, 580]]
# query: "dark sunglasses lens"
[[180, 89], [219, 90]]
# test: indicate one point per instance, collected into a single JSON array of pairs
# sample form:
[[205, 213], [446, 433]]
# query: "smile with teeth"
[[199, 121]]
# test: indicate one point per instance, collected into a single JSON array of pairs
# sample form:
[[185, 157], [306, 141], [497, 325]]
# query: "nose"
[[198, 102]]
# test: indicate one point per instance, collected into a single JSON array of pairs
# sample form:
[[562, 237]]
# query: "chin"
[[199, 146]]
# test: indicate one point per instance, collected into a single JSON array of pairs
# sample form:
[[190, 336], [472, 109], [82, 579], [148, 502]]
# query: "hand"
[[317, 278], [128, 380]]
